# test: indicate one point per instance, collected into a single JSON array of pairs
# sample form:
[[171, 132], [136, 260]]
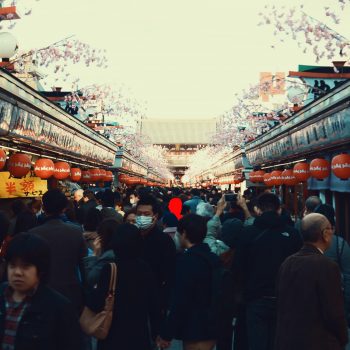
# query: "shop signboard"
[[5, 117], [25, 187], [27, 126]]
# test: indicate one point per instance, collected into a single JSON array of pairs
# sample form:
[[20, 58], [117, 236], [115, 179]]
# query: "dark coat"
[[261, 249], [68, 248], [49, 323], [310, 303], [160, 254], [136, 304], [83, 210], [191, 299]]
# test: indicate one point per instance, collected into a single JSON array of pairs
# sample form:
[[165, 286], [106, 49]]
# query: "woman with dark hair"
[[136, 313], [26, 220], [33, 316], [91, 223], [103, 253]]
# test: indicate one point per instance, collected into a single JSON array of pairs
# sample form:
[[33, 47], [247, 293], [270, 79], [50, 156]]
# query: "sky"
[[184, 58]]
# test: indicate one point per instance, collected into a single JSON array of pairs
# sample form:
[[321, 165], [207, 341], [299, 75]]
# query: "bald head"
[[313, 226], [311, 204], [78, 195]]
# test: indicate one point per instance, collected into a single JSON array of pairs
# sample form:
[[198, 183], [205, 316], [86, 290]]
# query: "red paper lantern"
[[252, 177], [109, 176], [122, 178], [85, 176], [288, 178], [94, 175], [319, 168], [44, 168], [341, 166], [267, 179], [62, 170], [259, 175], [19, 165], [75, 174], [2, 159], [237, 179], [103, 174], [276, 178], [301, 171]]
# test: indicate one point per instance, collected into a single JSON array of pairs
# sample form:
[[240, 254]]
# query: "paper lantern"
[[259, 175], [19, 165], [319, 168], [237, 179], [75, 174], [276, 178], [122, 178], [85, 176], [102, 174], [94, 175], [9, 46], [2, 159], [301, 171], [341, 166], [44, 168], [267, 179], [62, 170], [109, 176], [288, 178], [252, 177]]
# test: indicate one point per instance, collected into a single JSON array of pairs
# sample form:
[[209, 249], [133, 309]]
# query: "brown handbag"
[[99, 324]]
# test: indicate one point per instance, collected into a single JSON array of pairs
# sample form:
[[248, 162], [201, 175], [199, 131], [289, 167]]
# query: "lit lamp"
[[8, 48]]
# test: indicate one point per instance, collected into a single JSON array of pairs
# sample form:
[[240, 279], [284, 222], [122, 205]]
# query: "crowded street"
[[174, 175]]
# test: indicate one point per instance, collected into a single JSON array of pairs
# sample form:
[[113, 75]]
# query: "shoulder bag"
[[99, 324]]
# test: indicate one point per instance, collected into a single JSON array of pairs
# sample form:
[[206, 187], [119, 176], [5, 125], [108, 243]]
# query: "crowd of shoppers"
[[195, 266]]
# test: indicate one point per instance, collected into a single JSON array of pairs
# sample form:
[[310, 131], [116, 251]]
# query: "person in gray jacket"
[[103, 253]]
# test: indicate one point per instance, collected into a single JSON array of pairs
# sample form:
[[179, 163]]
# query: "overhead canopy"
[[181, 131]]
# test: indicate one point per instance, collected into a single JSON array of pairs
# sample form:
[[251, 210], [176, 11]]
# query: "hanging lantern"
[[75, 174], [237, 179], [301, 171], [276, 178], [252, 177], [2, 159], [94, 175], [341, 166], [19, 165], [109, 176], [102, 174], [288, 178], [85, 176], [267, 179], [44, 168], [259, 175], [122, 178], [319, 168], [62, 170]]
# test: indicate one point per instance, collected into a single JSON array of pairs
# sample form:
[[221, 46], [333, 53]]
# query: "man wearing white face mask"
[[159, 248]]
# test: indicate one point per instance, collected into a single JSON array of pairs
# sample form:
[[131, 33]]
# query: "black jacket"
[[136, 307], [160, 254], [49, 322], [261, 250], [83, 210], [191, 299]]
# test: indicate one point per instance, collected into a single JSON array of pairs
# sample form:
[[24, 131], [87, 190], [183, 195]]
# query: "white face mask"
[[132, 201], [144, 222]]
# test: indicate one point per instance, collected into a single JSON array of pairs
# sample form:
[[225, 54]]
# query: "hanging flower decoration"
[[309, 33]]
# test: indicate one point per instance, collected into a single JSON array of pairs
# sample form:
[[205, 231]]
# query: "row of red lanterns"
[[133, 180], [318, 168], [19, 165]]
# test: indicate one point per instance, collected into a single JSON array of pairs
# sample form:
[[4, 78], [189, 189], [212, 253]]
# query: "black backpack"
[[222, 305]]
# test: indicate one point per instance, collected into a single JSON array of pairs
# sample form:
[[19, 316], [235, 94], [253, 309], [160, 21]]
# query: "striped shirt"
[[14, 314]]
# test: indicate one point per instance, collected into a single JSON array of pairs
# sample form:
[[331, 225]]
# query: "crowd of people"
[[209, 269]]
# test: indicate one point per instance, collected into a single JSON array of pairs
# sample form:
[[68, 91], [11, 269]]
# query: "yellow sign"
[[26, 187]]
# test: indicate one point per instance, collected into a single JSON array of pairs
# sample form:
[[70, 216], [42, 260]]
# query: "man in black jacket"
[[159, 248], [261, 250], [187, 318]]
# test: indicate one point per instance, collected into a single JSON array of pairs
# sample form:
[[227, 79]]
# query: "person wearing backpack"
[[191, 316]]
